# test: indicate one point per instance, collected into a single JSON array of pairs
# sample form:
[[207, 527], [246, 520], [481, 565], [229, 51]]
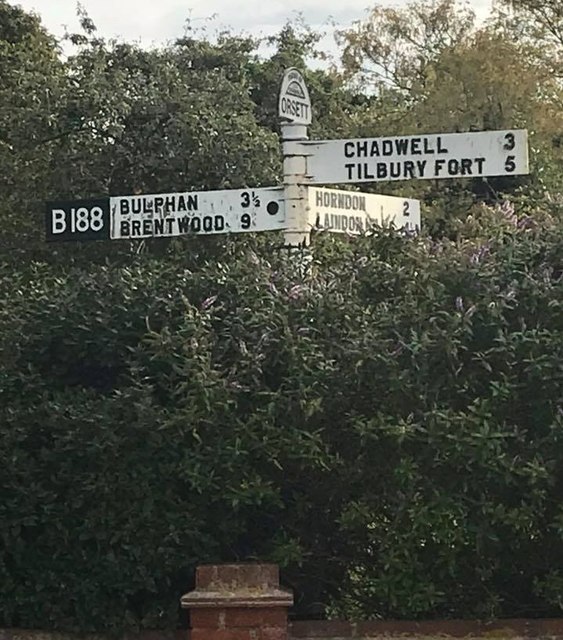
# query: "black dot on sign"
[[272, 208]]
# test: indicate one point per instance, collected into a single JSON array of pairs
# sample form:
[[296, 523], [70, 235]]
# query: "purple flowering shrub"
[[386, 422]]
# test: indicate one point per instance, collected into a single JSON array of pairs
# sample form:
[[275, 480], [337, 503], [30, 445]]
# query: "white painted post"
[[297, 233], [295, 112]]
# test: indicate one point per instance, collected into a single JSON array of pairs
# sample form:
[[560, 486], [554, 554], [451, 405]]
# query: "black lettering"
[[147, 227], [219, 223], [509, 164], [374, 151], [409, 169], [402, 145], [510, 141], [158, 227], [381, 169], [124, 228], [387, 147], [466, 164], [349, 149], [135, 228], [137, 205], [319, 198], [438, 166], [427, 147], [453, 167], [479, 162], [395, 169], [362, 148], [184, 224], [208, 223], [350, 169], [169, 205], [415, 146], [441, 149], [245, 221], [158, 202], [367, 174], [124, 207]]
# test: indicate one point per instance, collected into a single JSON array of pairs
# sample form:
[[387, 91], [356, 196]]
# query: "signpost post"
[[294, 109]]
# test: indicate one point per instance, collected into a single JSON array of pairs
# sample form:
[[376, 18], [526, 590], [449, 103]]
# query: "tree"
[[31, 85], [433, 70], [543, 20]]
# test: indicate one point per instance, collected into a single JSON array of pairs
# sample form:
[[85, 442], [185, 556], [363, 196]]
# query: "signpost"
[[167, 215], [445, 155], [354, 212], [296, 207]]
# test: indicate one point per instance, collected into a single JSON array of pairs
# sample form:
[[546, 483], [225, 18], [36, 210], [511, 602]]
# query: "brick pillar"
[[238, 602]]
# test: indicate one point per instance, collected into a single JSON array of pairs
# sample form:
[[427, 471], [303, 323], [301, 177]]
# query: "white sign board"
[[445, 155], [294, 103], [354, 212], [197, 212]]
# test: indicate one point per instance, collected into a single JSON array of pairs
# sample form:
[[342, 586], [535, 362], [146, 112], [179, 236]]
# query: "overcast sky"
[[158, 21]]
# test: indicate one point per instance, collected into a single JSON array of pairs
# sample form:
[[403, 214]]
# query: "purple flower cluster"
[[208, 302], [508, 212]]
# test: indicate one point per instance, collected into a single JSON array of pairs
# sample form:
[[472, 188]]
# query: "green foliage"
[[31, 82], [385, 421], [394, 414], [431, 69]]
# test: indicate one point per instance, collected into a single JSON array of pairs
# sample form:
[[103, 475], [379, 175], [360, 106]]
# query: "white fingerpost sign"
[[294, 102], [297, 206], [354, 212], [197, 212], [436, 156]]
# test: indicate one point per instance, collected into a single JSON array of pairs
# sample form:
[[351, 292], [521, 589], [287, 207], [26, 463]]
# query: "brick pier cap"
[[237, 585], [238, 602]]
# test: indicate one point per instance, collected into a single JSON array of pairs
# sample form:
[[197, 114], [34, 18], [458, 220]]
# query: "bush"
[[388, 427]]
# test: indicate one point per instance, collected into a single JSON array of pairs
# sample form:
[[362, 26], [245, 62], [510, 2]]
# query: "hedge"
[[385, 420]]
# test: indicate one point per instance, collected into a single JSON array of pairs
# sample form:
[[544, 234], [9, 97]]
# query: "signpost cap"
[[294, 103]]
